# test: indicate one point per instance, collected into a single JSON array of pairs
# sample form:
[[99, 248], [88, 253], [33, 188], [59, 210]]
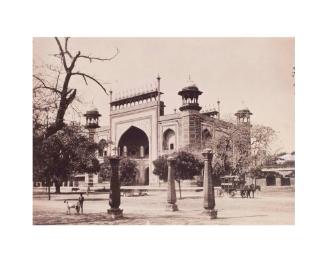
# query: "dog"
[[76, 206]]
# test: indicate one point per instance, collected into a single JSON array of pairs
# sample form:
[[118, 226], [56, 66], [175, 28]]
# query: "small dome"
[[191, 88], [245, 111], [92, 111]]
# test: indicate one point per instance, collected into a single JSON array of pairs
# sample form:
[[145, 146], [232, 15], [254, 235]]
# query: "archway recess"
[[271, 180], [206, 137], [134, 143], [169, 140]]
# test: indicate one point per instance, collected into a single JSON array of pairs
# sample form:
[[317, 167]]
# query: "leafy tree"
[[105, 169], [66, 152], [223, 158], [261, 139], [161, 167], [241, 149], [128, 171], [127, 168], [187, 166]]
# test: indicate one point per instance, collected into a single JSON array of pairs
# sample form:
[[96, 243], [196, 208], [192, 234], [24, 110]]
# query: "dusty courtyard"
[[267, 208]]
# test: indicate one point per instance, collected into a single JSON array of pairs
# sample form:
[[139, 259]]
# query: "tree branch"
[[44, 86], [57, 81], [62, 54], [66, 48], [72, 65], [92, 78], [71, 97], [91, 58]]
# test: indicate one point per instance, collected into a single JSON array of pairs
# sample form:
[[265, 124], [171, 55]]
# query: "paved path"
[[266, 208]]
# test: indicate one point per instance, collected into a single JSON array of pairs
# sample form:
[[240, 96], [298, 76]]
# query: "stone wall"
[[191, 129]]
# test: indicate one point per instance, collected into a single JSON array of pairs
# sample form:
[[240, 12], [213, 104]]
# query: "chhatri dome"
[[92, 117], [92, 111], [190, 95]]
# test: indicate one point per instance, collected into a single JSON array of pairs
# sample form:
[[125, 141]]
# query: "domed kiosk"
[[190, 96], [92, 118]]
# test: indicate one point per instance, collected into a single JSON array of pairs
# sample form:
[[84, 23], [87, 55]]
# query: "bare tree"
[[55, 93]]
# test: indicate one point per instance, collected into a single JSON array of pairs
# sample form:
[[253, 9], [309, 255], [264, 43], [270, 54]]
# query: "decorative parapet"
[[136, 99]]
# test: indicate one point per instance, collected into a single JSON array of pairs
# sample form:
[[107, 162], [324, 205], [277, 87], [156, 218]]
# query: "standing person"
[[81, 201]]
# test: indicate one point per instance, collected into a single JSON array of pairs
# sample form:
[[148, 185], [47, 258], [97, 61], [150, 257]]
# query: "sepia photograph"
[[163, 131]]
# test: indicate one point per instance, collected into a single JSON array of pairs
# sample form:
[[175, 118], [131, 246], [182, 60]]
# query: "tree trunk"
[[48, 186], [57, 185], [180, 190]]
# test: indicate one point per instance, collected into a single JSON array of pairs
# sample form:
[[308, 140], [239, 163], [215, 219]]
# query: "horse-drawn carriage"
[[233, 184]]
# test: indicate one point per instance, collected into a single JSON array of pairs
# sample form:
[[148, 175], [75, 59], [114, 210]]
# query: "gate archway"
[[134, 143]]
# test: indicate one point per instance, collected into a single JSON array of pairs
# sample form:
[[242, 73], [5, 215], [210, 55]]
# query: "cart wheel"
[[232, 193]]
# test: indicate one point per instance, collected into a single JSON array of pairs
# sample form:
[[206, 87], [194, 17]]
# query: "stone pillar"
[[209, 195], [114, 193], [125, 151], [171, 192], [278, 181], [118, 152], [142, 151]]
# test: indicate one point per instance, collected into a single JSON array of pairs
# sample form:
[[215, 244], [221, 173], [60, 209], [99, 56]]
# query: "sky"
[[239, 72]]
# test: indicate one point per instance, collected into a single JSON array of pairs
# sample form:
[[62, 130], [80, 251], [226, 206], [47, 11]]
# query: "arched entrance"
[[169, 140], [271, 180], [206, 137], [285, 181], [134, 144]]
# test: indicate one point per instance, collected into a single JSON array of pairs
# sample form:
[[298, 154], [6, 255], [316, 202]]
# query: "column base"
[[212, 213], [171, 207], [115, 213]]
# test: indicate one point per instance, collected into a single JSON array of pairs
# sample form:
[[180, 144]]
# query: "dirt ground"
[[267, 208]]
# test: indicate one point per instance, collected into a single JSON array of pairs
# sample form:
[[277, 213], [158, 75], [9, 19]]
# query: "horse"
[[253, 188], [245, 191]]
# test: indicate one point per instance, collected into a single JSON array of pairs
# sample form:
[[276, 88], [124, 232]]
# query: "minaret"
[[191, 124], [92, 121], [243, 116]]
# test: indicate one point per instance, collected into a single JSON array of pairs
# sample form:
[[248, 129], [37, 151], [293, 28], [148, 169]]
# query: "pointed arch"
[[169, 140], [134, 143], [206, 136]]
